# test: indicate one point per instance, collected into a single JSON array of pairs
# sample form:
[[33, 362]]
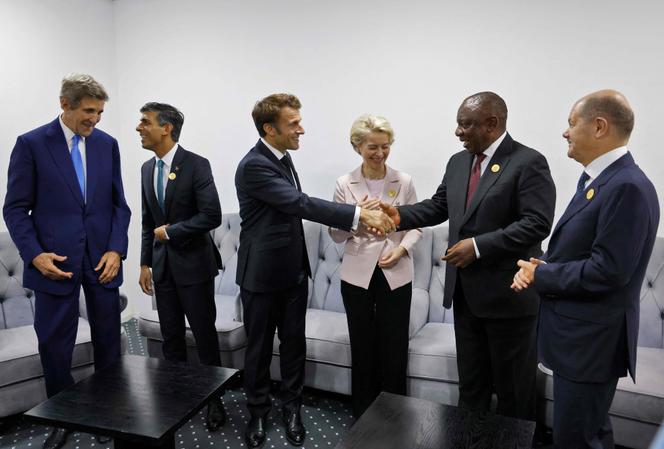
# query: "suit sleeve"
[[265, 184], [19, 201], [147, 230], [536, 199], [339, 235], [429, 212], [119, 238], [616, 250], [207, 204], [411, 237]]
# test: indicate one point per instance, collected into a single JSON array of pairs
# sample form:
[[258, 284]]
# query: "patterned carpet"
[[327, 418]]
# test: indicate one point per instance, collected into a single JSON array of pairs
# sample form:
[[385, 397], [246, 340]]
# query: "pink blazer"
[[363, 249]]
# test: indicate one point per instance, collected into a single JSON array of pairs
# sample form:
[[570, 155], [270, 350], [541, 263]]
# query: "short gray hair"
[[367, 124], [78, 85]]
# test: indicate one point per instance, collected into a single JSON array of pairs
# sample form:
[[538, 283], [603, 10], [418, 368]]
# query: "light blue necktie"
[[78, 164], [160, 184]]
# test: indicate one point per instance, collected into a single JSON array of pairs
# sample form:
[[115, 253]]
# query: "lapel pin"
[[590, 194], [495, 168], [391, 193], [172, 175]]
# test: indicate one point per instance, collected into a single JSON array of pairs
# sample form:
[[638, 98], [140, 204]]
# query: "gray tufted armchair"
[[21, 374]]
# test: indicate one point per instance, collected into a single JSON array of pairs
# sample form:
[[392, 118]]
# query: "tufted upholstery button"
[[10, 273], [649, 284], [661, 314]]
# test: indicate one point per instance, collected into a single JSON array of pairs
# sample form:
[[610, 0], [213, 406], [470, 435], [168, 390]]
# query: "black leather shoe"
[[295, 431], [216, 415], [254, 434], [57, 438], [102, 439]]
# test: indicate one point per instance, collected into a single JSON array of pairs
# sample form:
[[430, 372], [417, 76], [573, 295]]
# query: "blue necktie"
[[581, 185], [160, 184], [78, 163]]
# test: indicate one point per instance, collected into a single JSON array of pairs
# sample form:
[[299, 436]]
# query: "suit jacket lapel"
[[268, 154], [498, 162], [57, 145], [148, 187], [580, 201], [357, 186], [91, 166], [392, 186], [172, 183]]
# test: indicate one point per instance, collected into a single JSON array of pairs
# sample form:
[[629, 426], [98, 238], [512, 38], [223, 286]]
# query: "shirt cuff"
[[477, 251], [356, 219], [168, 238]]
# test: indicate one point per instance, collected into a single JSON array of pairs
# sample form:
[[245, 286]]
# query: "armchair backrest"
[[17, 304], [227, 239], [651, 326]]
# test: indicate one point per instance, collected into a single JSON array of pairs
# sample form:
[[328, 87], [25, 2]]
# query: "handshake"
[[379, 218]]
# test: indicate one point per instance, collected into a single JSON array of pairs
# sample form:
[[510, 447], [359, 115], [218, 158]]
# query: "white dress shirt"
[[69, 137], [485, 163], [168, 162], [597, 166]]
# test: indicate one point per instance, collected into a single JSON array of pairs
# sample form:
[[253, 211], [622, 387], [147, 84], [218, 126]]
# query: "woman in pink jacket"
[[376, 272]]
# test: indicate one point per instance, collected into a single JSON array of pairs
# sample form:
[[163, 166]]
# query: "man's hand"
[[369, 203], [525, 277], [110, 261], [145, 280], [391, 212], [160, 233], [44, 262], [377, 222], [390, 259], [461, 254]]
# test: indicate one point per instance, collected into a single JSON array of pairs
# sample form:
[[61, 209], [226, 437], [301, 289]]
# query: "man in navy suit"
[[180, 208], [66, 212], [273, 265], [591, 275]]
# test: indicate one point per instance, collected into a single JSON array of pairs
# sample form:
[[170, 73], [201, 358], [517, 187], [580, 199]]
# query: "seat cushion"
[[230, 333], [641, 401], [19, 355], [432, 353], [327, 338]]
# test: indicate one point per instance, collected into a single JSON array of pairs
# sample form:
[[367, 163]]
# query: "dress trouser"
[[495, 354], [196, 302], [378, 320], [581, 414], [56, 325], [265, 312]]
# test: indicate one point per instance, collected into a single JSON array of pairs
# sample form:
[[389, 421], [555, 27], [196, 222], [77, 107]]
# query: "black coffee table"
[[139, 401], [397, 422]]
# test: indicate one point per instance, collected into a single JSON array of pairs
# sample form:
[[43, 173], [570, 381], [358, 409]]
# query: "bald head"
[[610, 105]]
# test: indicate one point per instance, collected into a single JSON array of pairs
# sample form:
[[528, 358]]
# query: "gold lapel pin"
[[495, 168], [590, 194], [172, 176], [391, 193]]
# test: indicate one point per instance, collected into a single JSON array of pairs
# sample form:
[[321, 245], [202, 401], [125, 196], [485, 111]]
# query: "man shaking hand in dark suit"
[[595, 265], [180, 208], [499, 198], [273, 265]]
